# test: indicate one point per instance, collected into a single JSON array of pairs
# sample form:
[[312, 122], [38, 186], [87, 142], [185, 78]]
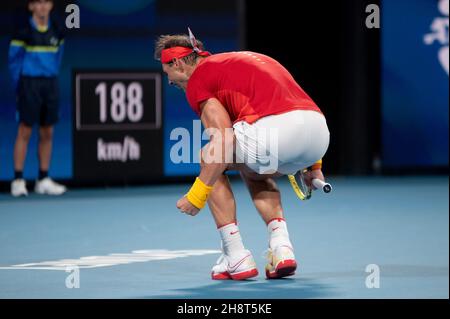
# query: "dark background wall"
[[335, 58]]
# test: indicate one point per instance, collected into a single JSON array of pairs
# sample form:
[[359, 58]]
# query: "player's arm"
[[215, 118], [314, 171], [16, 56], [316, 166]]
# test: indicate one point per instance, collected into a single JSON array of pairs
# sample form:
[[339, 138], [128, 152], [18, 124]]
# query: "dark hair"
[[178, 40]]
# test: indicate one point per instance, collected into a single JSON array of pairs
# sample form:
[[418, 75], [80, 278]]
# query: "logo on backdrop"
[[439, 28]]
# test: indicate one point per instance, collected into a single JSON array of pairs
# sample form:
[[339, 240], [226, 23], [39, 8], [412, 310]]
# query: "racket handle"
[[319, 184]]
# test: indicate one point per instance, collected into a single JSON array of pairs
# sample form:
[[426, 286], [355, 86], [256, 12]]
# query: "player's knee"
[[272, 185], [46, 133], [24, 132]]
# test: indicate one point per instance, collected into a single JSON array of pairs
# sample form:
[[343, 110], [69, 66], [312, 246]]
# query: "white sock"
[[278, 233], [231, 239]]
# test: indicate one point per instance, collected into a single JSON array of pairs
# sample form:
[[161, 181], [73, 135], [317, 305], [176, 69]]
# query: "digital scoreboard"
[[117, 121]]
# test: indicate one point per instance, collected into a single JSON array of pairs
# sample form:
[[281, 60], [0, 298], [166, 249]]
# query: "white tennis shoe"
[[240, 266], [49, 187], [281, 262], [19, 188]]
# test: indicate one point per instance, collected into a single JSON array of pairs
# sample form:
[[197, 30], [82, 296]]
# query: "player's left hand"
[[186, 207]]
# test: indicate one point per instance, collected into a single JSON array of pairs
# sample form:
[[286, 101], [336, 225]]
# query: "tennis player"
[[277, 130]]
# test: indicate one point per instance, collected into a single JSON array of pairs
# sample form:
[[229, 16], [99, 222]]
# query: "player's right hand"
[[310, 175]]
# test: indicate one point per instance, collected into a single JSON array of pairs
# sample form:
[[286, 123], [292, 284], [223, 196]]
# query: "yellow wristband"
[[317, 165], [198, 194]]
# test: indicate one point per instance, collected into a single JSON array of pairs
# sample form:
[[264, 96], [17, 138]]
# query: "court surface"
[[133, 243]]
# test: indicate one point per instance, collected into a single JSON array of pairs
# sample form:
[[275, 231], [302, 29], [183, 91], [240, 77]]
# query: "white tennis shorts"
[[284, 143]]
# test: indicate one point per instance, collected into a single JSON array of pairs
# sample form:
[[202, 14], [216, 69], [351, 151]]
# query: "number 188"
[[126, 102]]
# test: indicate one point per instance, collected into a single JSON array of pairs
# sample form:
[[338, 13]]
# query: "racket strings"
[[299, 186]]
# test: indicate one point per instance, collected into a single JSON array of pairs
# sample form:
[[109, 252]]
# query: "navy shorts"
[[38, 101]]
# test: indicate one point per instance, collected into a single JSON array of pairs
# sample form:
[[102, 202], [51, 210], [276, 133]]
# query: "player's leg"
[[236, 262], [48, 118], [44, 184], [18, 186], [28, 104], [267, 200], [265, 195], [221, 202], [21, 146], [45, 147]]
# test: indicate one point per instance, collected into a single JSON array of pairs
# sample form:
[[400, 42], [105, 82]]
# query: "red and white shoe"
[[281, 262], [237, 267]]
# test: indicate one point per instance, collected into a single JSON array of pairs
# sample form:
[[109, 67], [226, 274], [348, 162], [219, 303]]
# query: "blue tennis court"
[[133, 243]]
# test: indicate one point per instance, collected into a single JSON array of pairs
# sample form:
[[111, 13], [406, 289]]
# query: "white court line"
[[112, 259]]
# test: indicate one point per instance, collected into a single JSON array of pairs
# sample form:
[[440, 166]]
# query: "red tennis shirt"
[[249, 85]]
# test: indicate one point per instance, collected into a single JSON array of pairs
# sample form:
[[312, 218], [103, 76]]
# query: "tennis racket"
[[302, 190]]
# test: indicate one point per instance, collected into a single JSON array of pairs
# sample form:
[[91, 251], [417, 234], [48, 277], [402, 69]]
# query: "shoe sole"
[[283, 269], [20, 195], [245, 275], [239, 276], [49, 193], [220, 276]]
